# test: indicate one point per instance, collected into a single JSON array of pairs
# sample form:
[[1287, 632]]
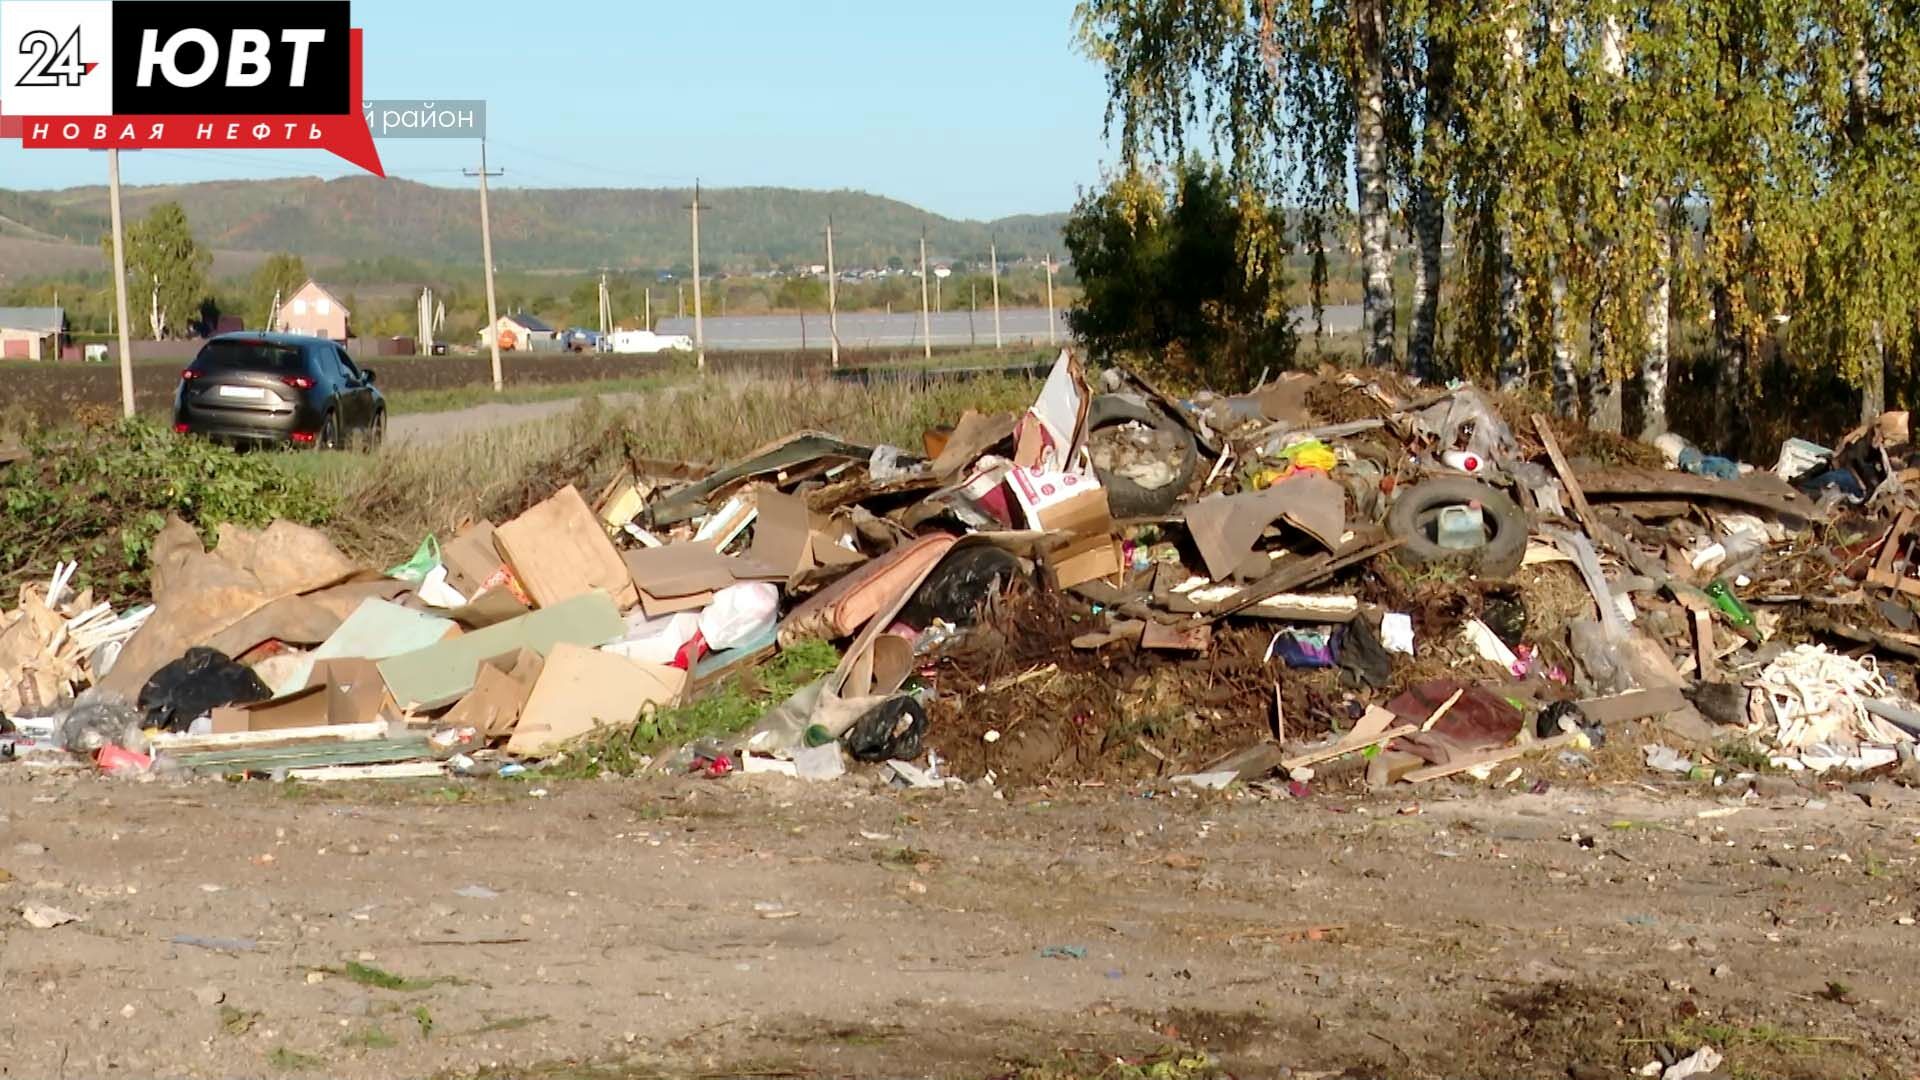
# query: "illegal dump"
[[1340, 580]]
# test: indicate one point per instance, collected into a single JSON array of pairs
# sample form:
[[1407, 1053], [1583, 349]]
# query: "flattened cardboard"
[[656, 606], [782, 534], [1087, 558], [973, 436], [580, 689], [471, 558], [443, 673], [340, 691], [376, 630], [559, 551], [500, 692], [1225, 528], [488, 606], [1051, 431]]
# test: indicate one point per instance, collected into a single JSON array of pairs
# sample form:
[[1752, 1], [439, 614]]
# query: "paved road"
[[873, 329]]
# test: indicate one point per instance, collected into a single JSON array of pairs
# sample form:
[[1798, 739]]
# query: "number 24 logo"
[[55, 62]]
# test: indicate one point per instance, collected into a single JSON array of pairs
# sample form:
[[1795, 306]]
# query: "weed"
[[728, 708], [381, 979], [287, 1059], [907, 858], [424, 1019], [1171, 1064], [1759, 1036], [371, 1038], [101, 496], [1746, 756], [507, 1023], [237, 1021]]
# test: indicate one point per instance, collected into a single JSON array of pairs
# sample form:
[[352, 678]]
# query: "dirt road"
[[760, 927], [428, 428]]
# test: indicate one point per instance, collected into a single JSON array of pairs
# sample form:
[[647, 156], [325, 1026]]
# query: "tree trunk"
[[1873, 383], [1513, 364], [1566, 386], [1730, 383], [1429, 211], [1370, 181], [1654, 362]]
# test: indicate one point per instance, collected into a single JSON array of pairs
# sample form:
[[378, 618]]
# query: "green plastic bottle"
[[1730, 605]]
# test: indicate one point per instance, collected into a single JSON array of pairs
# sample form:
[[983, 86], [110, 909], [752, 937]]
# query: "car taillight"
[[180, 429], [189, 374], [298, 382], [304, 436]]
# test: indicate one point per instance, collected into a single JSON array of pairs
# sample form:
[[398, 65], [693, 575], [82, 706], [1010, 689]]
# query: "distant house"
[[520, 331], [31, 333], [314, 311]]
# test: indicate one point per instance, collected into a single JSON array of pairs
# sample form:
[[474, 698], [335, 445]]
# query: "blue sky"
[[971, 110]]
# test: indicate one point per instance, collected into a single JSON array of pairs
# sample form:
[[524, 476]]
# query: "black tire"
[[1412, 515], [329, 437], [377, 431], [1126, 499]]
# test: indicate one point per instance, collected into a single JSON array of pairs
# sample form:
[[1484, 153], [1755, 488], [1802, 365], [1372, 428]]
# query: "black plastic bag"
[[195, 685], [890, 731], [961, 585], [1362, 658]]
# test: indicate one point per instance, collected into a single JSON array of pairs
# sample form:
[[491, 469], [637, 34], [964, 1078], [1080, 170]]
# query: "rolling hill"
[[558, 229]]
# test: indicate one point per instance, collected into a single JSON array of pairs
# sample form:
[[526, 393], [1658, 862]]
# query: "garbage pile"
[[1332, 574]]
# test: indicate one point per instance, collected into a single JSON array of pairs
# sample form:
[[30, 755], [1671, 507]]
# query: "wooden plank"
[[1563, 470], [1882, 573], [1491, 757], [1300, 574], [1342, 747], [1445, 708], [1704, 665], [1637, 705], [1766, 494], [324, 733], [399, 770]]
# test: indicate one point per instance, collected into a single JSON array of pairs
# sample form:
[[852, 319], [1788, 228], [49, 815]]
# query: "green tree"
[[801, 294], [166, 270], [1186, 273], [280, 276]]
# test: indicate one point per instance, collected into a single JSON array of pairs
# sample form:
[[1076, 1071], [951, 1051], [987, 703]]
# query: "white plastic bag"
[[740, 613], [655, 641]]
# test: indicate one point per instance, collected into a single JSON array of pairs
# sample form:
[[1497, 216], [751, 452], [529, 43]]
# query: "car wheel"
[[329, 433], [377, 431], [1412, 515]]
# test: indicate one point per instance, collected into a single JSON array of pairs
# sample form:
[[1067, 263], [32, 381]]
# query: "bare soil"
[[760, 926]]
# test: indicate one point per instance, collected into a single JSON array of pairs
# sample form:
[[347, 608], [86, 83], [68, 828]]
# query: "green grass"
[[1725, 1037], [287, 1059], [736, 703], [381, 979], [371, 1038]]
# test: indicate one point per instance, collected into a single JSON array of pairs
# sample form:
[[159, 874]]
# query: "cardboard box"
[[471, 559], [580, 689], [500, 692], [1061, 501], [340, 691], [559, 550]]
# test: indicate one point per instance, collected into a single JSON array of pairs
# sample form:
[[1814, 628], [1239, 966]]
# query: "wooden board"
[[1637, 705], [1565, 471], [558, 550], [1490, 757]]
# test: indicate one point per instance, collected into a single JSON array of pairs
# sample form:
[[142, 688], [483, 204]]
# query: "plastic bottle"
[[1465, 460], [1462, 528]]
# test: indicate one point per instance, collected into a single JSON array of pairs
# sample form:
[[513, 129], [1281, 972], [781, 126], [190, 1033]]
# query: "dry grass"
[[388, 501]]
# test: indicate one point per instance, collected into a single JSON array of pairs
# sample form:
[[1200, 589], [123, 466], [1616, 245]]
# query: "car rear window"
[[249, 356]]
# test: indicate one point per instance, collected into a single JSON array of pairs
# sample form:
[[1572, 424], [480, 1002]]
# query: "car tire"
[[377, 431], [1126, 499], [1506, 523], [329, 438]]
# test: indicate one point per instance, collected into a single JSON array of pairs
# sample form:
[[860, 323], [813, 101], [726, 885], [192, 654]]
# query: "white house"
[[520, 331]]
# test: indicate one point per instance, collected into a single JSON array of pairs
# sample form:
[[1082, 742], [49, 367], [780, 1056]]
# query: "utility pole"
[[833, 301], [1050, 330], [606, 306], [699, 326], [680, 292], [973, 308], [926, 320], [649, 325], [486, 252], [993, 257], [120, 282]]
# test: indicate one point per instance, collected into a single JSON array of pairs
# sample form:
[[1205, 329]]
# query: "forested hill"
[[365, 218]]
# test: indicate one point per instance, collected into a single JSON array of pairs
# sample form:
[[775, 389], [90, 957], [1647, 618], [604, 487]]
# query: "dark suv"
[[260, 388]]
